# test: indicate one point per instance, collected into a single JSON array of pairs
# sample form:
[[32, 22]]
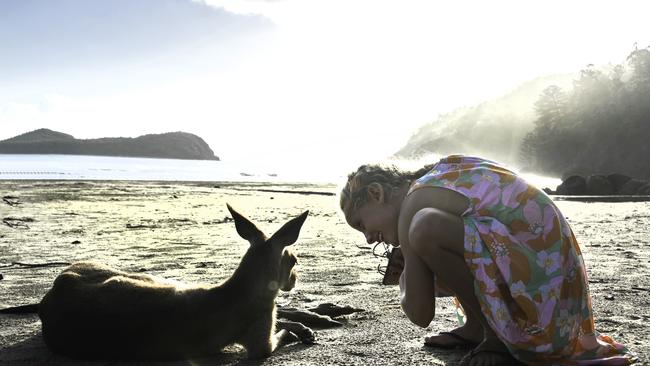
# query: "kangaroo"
[[95, 312]]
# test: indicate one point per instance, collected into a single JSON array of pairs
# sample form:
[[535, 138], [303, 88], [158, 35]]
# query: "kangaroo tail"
[[23, 309]]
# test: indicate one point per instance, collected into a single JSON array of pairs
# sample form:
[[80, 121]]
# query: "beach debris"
[[609, 297], [1, 277], [303, 192], [11, 200], [151, 224], [174, 221], [34, 265], [308, 318], [297, 192], [222, 221], [346, 283], [17, 222], [187, 243], [141, 226], [640, 288], [76, 242], [333, 310]]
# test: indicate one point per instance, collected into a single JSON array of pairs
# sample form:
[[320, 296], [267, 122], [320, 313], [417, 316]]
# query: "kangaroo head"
[[269, 257]]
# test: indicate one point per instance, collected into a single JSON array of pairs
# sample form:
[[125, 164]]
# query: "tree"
[[602, 125]]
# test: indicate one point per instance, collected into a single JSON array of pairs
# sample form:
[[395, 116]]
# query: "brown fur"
[[96, 312]]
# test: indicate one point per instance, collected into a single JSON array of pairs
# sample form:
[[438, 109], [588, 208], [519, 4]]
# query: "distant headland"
[[172, 145]]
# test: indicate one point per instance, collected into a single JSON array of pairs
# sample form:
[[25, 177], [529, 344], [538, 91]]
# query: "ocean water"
[[77, 167]]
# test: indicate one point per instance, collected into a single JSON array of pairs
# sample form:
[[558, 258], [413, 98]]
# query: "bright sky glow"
[[305, 82]]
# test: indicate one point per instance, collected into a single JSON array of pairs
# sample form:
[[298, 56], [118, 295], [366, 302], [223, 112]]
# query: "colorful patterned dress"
[[529, 273]]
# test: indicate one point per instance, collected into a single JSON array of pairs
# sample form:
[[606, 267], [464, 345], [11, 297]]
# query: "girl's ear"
[[376, 192]]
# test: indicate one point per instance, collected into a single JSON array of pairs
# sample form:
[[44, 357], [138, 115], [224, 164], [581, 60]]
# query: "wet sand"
[[180, 231]]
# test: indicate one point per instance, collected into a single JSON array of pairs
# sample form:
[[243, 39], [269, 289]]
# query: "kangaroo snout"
[[288, 273]]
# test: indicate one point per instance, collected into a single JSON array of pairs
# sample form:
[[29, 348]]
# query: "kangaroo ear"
[[245, 228], [288, 233]]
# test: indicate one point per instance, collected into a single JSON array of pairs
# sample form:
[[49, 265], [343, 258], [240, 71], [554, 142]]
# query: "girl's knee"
[[425, 229], [433, 230]]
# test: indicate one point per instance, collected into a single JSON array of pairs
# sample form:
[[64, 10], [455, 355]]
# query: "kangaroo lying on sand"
[[96, 312]]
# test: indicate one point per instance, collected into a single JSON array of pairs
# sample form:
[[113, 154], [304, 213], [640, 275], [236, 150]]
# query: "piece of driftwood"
[[296, 192], [17, 222], [141, 226], [640, 288], [217, 221], [34, 265], [289, 191], [11, 200]]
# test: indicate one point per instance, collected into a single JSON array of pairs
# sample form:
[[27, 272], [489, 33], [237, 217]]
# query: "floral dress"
[[530, 277]]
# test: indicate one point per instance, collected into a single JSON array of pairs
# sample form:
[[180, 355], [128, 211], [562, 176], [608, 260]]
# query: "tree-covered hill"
[[493, 129], [601, 125], [595, 121]]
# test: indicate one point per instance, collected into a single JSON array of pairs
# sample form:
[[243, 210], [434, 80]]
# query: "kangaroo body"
[[96, 312]]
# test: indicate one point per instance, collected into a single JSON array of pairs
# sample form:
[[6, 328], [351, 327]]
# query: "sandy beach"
[[180, 231]]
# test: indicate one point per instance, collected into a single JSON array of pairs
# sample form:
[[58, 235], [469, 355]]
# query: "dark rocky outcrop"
[[644, 190], [573, 185], [173, 145], [618, 180], [601, 185], [631, 186]]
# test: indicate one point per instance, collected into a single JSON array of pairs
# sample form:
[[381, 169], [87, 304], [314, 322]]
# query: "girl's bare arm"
[[417, 289], [417, 282]]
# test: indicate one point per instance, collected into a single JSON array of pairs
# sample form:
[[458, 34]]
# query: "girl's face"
[[376, 220]]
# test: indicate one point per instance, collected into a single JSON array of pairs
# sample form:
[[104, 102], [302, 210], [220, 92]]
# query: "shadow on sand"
[[33, 351]]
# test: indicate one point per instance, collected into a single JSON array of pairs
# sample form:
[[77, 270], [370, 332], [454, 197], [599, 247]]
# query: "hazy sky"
[[299, 81]]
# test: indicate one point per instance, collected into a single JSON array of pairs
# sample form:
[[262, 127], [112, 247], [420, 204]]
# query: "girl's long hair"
[[390, 178]]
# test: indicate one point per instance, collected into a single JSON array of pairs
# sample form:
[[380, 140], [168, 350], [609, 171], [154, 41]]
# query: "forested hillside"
[[493, 129], [601, 125], [595, 121]]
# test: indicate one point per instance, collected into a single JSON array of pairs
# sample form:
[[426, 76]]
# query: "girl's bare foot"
[[467, 336], [488, 353]]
